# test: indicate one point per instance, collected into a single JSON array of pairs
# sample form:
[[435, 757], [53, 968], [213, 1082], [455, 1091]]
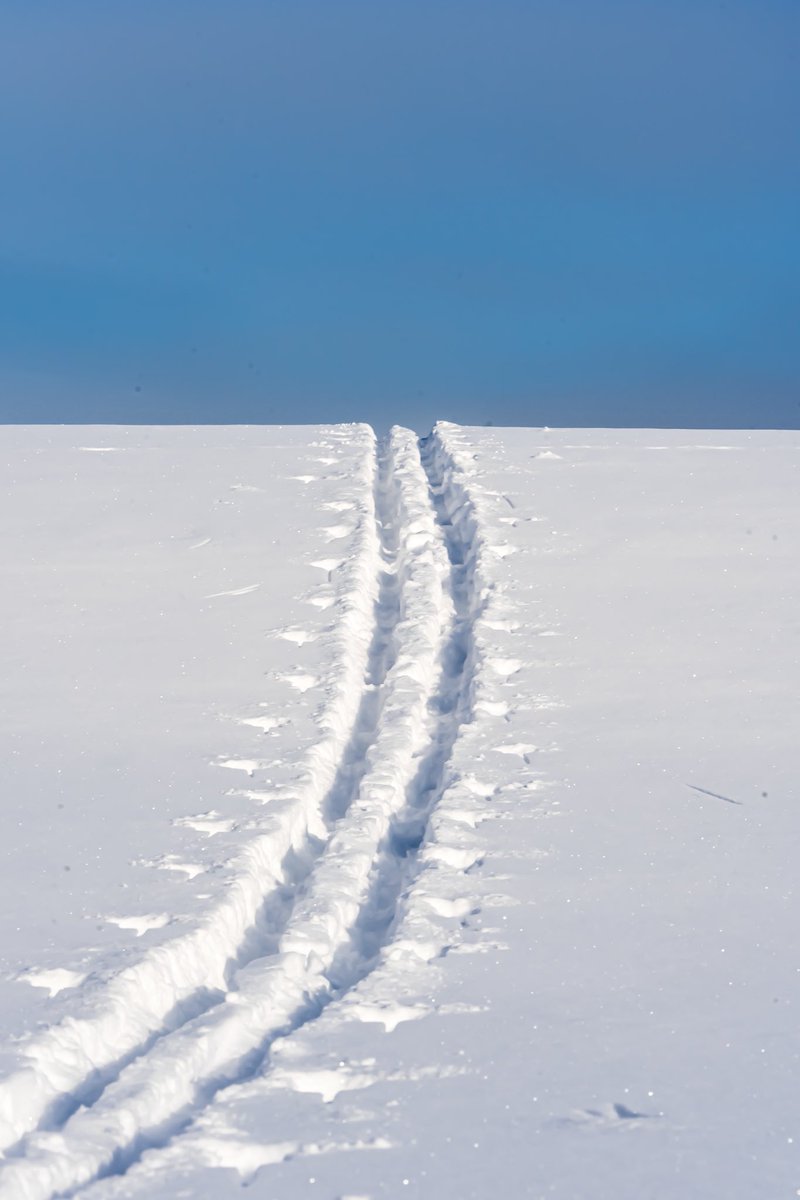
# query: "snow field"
[[535, 936]]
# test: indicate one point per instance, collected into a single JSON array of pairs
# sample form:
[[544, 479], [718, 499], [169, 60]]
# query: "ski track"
[[332, 875]]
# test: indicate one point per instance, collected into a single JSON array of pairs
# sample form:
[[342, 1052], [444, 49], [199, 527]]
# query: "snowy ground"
[[399, 819]]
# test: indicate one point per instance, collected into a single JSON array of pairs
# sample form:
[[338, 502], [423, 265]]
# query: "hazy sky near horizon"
[[562, 212]]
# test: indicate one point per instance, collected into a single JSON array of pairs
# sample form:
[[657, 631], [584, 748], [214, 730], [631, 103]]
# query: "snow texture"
[[410, 818]]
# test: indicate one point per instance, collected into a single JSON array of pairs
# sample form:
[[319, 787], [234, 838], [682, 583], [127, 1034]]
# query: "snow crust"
[[429, 809]]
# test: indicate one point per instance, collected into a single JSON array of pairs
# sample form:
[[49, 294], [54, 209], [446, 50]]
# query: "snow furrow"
[[424, 880], [73, 1060], [450, 846], [409, 848], [429, 838], [321, 947]]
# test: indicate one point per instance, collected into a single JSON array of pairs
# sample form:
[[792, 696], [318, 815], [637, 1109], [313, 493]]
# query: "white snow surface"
[[395, 818]]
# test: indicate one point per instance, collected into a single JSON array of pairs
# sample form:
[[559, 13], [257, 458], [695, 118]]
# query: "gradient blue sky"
[[562, 212]]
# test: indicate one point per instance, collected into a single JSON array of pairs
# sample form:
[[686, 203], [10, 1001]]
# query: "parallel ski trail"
[[451, 706], [159, 1093]]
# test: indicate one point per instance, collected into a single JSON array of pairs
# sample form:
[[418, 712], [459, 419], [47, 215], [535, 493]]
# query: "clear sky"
[[561, 212]]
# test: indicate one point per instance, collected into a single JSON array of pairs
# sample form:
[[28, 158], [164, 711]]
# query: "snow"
[[399, 819]]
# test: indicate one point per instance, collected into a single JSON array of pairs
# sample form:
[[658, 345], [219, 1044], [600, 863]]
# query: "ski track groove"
[[326, 934]]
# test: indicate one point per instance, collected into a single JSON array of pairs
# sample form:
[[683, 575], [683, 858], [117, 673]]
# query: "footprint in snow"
[[405, 949], [170, 862], [327, 564], [142, 924], [521, 749], [326, 1083], [493, 708], [266, 724], [248, 1157], [463, 816], [299, 681], [248, 765], [261, 796], [338, 505], [533, 788], [300, 637], [501, 625], [443, 907], [504, 667], [55, 980], [453, 856], [329, 1082], [477, 787], [389, 1014], [322, 601], [210, 823]]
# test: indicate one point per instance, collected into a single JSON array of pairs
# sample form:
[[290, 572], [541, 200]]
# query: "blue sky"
[[562, 212]]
